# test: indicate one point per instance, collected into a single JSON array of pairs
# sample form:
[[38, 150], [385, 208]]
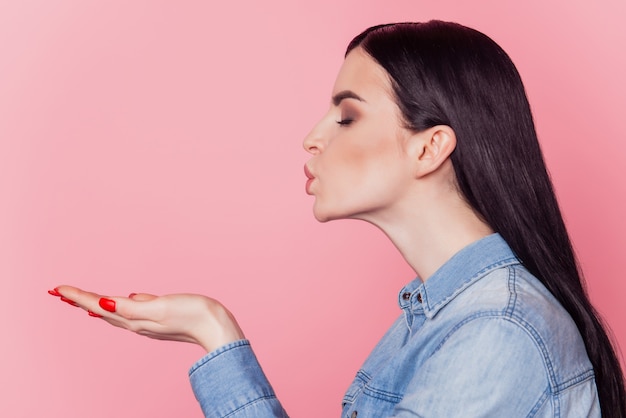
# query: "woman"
[[429, 137]]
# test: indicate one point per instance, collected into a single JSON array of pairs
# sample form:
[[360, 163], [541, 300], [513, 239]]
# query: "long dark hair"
[[447, 74]]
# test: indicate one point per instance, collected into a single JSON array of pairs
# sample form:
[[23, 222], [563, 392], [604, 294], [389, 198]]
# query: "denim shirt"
[[481, 337]]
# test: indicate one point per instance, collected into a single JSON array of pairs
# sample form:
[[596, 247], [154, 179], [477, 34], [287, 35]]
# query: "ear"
[[431, 148]]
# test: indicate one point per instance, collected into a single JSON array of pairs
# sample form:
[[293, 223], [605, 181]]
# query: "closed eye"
[[345, 122]]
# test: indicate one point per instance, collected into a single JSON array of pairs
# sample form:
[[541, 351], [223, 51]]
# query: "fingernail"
[[107, 304], [95, 315], [71, 302], [132, 295], [54, 292]]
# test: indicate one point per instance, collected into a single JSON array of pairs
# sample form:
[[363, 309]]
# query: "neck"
[[430, 235]]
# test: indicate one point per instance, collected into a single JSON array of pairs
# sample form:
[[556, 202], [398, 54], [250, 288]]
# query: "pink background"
[[156, 146]]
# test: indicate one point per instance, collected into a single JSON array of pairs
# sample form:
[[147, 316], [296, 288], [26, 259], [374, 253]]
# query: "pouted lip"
[[308, 173], [310, 179]]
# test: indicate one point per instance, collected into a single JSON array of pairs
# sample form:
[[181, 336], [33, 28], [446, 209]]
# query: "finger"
[[137, 307], [134, 313], [76, 296], [96, 305], [109, 307]]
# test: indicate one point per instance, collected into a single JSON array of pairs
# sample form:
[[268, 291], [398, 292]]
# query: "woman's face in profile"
[[359, 168]]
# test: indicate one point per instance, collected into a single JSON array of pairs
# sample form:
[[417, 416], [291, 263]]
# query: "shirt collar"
[[457, 274]]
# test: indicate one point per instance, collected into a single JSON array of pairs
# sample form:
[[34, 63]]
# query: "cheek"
[[374, 149], [350, 164], [362, 155]]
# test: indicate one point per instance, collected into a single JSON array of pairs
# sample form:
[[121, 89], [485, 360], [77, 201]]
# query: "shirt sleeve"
[[488, 367], [229, 382]]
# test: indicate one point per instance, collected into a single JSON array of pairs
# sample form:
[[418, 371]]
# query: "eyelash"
[[345, 122]]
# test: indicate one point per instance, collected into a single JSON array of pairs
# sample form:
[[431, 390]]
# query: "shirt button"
[[419, 297], [354, 413], [406, 295]]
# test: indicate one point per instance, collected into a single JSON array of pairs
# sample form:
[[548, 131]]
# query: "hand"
[[181, 317]]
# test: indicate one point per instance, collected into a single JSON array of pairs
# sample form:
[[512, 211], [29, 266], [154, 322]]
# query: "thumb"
[[142, 297]]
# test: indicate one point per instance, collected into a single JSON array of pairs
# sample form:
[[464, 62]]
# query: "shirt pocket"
[[355, 389]]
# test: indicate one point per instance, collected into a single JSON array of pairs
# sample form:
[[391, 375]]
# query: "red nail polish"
[[71, 302], [107, 304], [93, 314], [54, 292]]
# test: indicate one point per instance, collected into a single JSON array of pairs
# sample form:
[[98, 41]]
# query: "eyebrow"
[[346, 94]]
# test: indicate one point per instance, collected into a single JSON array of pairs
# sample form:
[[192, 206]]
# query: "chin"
[[320, 214], [323, 216]]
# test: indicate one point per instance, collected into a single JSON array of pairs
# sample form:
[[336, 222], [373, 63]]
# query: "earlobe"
[[432, 148]]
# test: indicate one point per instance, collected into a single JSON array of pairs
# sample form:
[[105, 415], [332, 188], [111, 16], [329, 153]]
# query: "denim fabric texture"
[[229, 382], [481, 337]]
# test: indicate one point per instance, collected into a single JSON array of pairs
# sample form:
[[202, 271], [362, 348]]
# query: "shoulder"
[[504, 333], [486, 357], [494, 365], [511, 309]]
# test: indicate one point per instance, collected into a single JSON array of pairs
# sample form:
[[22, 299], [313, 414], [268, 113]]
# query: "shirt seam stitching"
[[526, 327], [432, 311], [215, 354], [249, 403]]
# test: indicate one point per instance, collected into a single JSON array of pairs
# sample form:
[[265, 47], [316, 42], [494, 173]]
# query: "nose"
[[313, 142]]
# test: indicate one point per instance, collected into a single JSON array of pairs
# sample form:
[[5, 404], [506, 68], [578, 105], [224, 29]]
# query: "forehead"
[[364, 76]]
